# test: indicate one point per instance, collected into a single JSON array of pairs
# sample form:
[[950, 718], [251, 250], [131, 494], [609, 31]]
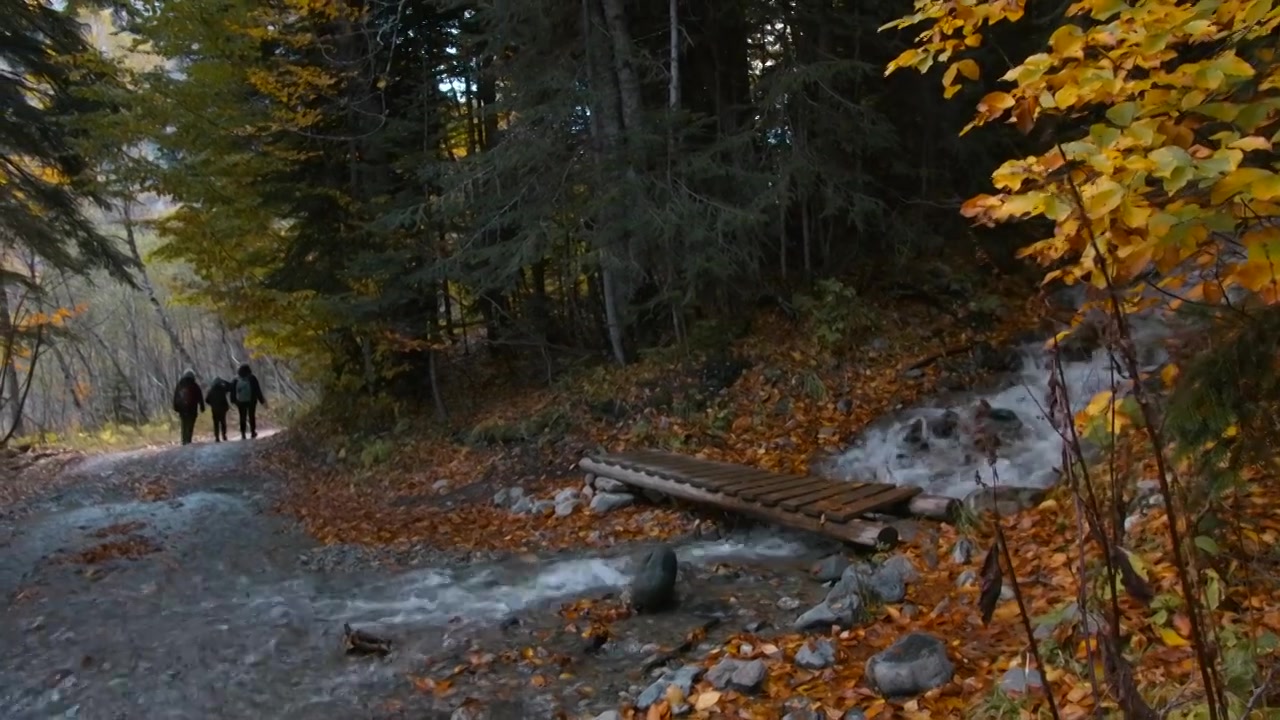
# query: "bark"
[[9, 389], [144, 281]]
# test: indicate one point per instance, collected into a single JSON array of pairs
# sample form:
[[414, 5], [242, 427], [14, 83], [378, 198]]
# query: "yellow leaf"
[[1261, 184], [706, 700], [1252, 142], [1171, 638], [967, 68], [1169, 374], [992, 104]]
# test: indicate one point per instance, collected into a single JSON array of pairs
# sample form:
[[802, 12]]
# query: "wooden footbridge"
[[849, 511]]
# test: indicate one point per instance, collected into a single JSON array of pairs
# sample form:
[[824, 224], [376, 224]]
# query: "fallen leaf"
[[706, 700]]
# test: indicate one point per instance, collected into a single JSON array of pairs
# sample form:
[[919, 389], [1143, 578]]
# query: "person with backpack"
[[219, 400], [248, 393], [188, 402]]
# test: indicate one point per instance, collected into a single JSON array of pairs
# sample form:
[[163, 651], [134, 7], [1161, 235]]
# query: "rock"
[[788, 603], [1005, 499], [913, 374], [748, 676], [522, 506], [542, 507], [609, 485], [883, 584], [440, 485], [854, 714], [755, 626], [967, 578], [566, 495], [945, 425], [841, 612], [829, 568], [1080, 345], [802, 714], [566, 508], [653, 496], [719, 675], [506, 497], [963, 551], [609, 715], [915, 432], [605, 502], [844, 406], [469, 712], [1020, 681], [816, 654], [911, 666], [654, 586], [901, 566], [587, 491], [683, 678]]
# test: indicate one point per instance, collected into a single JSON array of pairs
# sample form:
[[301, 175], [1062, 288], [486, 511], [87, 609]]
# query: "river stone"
[[522, 506], [901, 566], [748, 676], [566, 495], [609, 485], [945, 425], [654, 585], [1006, 499], [842, 612], [829, 568], [542, 507], [566, 508], [854, 714], [963, 551], [1020, 681], [816, 654], [802, 714], [605, 502], [506, 497], [912, 666], [683, 678], [719, 675], [609, 715]]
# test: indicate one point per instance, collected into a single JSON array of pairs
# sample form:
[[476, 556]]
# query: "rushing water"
[[225, 621], [933, 445]]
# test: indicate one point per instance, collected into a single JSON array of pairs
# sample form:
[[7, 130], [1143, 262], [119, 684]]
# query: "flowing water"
[[225, 621], [934, 445]]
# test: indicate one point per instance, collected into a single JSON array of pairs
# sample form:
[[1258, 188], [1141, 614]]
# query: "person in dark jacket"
[[219, 400], [188, 402], [247, 394]]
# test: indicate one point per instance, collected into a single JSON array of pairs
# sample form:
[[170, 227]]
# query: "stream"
[[226, 620]]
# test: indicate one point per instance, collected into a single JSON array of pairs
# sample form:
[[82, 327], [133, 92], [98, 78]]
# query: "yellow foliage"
[[1184, 156]]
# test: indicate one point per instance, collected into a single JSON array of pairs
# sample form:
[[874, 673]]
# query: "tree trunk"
[[144, 280], [9, 390]]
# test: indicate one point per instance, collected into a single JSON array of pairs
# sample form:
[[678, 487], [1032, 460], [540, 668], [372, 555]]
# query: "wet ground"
[[158, 584]]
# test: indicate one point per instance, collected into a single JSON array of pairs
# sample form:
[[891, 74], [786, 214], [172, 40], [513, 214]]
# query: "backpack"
[[190, 397], [244, 390]]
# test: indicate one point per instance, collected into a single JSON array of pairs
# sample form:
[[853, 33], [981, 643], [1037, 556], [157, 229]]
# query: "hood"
[[188, 374]]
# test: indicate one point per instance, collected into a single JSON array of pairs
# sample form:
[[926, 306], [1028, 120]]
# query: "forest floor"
[[215, 580]]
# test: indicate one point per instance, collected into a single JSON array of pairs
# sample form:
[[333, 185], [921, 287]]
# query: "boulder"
[[841, 611], [914, 665], [654, 586], [735, 674], [605, 502], [829, 568], [683, 678]]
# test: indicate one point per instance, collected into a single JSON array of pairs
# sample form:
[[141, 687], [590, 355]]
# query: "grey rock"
[[542, 507], [683, 678], [915, 434], [719, 675], [963, 551], [901, 566], [748, 676], [566, 495], [855, 714], [944, 425], [1005, 499], [467, 712], [915, 664], [1020, 681], [609, 485], [522, 506], [566, 508], [967, 578], [588, 491], [844, 406], [829, 568], [802, 714], [605, 502], [506, 497], [816, 654], [883, 584], [654, 585], [841, 612], [609, 715], [787, 603], [653, 496], [440, 485]]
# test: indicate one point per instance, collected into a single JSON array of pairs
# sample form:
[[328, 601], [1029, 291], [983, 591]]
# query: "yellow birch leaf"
[[1169, 375], [1244, 179], [1170, 637], [1252, 142]]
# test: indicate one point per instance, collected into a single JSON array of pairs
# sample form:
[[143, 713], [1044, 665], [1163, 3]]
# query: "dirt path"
[[158, 584]]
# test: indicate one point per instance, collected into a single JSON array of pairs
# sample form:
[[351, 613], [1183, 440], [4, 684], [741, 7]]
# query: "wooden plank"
[[772, 482], [890, 495], [833, 489], [832, 506], [785, 487], [858, 532], [777, 496]]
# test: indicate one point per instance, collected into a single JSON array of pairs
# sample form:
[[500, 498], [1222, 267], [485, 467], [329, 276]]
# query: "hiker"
[[247, 394], [219, 399], [188, 402]]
